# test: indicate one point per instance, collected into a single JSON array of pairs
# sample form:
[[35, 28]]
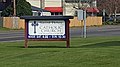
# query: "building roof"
[[46, 17], [38, 9], [92, 10]]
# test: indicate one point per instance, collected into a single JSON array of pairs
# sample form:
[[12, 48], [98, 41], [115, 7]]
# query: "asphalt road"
[[108, 30], [11, 36]]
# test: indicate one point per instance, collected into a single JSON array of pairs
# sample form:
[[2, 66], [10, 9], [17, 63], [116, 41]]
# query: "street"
[[106, 30], [10, 36]]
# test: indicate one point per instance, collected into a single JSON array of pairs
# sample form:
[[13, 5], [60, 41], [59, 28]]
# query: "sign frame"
[[66, 19]]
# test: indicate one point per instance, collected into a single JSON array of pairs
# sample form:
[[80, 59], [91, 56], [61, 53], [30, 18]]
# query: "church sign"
[[47, 28], [44, 29]]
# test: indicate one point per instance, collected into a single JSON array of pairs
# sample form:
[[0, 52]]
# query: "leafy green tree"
[[22, 8]]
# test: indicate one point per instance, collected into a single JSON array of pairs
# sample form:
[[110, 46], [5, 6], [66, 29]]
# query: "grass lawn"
[[89, 52], [7, 29], [4, 29]]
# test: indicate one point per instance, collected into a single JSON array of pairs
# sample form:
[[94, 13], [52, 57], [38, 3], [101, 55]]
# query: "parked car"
[[112, 18]]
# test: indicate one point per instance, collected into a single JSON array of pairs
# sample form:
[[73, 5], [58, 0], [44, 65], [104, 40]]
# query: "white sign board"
[[80, 14], [46, 29]]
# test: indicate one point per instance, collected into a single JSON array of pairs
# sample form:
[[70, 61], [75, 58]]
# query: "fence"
[[13, 22], [17, 23], [90, 21]]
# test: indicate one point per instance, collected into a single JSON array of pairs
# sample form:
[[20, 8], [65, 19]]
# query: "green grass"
[[4, 29], [8, 29], [89, 52]]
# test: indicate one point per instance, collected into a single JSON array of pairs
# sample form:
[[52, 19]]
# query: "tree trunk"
[[115, 14]]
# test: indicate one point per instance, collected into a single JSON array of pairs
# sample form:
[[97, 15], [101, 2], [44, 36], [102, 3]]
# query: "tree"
[[22, 8], [111, 6], [7, 12]]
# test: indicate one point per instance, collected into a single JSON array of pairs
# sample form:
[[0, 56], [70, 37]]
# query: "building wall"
[[69, 9], [34, 3], [45, 3], [53, 3], [8, 22]]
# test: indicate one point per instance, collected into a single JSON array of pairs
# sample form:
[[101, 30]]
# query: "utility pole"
[[41, 4], [15, 19], [79, 2], [83, 18], [64, 7], [14, 7]]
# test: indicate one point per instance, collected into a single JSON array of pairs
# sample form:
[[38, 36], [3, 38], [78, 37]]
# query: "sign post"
[[84, 23], [81, 14], [47, 28]]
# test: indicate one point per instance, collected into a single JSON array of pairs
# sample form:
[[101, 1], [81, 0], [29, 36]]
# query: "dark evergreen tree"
[[7, 12], [22, 8]]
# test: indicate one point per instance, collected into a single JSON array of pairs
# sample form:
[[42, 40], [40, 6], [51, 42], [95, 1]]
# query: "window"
[[35, 13], [56, 13], [2, 0]]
